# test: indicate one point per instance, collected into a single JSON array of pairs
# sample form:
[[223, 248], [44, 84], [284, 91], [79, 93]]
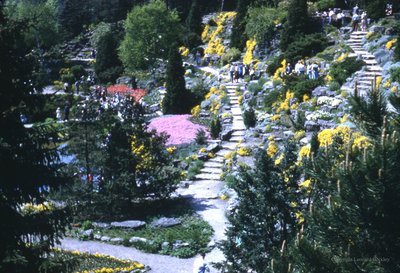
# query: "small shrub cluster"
[[301, 85], [274, 64], [340, 71], [232, 55], [215, 128], [333, 86], [308, 45], [395, 74], [249, 118]]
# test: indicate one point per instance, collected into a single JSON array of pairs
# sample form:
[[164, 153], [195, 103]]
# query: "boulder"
[[117, 240], [137, 239], [226, 134], [89, 233], [97, 237], [128, 225], [101, 225], [164, 245], [311, 125], [320, 91], [165, 222], [213, 147], [179, 244], [377, 28], [105, 238]]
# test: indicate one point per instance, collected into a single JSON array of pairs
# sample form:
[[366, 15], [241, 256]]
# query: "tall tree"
[[264, 215], [238, 36], [296, 25], [28, 166], [150, 30], [193, 25], [177, 100]]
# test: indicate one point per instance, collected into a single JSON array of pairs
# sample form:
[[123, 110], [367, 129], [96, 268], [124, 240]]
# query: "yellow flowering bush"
[[243, 151], [184, 51], [326, 137], [240, 99], [390, 44], [369, 34], [215, 45], [280, 71], [171, 149], [248, 57], [272, 149], [305, 151], [224, 115], [342, 57], [36, 208], [196, 111], [278, 160]]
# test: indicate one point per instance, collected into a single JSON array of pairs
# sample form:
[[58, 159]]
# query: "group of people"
[[206, 58], [310, 69], [238, 71], [356, 19]]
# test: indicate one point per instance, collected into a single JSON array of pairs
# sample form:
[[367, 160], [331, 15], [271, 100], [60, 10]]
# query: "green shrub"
[[271, 97], [307, 45], [232, 55], [215, 128], [300, 85], [201, 137], [197, 92], [249, 118], [194, 169], [110, 74], [78, 71], [69, 78], [376, 9], [87, 225], [274, 64], [334, 86], [395, 74], [397, 50], [341, 71], [325, 4]]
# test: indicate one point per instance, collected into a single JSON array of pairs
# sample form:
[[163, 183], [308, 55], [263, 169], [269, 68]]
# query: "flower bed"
[[178, 127], [124, 91], [85, 262]]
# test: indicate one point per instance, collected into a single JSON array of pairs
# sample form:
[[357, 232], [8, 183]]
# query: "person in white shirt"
[[299, 68], [200, 264]]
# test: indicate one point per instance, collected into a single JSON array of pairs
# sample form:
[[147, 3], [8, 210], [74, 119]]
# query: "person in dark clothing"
[[66, 112]]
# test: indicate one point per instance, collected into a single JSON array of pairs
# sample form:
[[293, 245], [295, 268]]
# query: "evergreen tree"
[[108, 67], [194, 26], [29, 168], [296, 25], [177, 100], [238, 36], [72, 16], [264, 215]]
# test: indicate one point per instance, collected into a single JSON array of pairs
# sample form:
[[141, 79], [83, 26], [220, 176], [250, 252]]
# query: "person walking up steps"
[[232, 72], [355, 21]]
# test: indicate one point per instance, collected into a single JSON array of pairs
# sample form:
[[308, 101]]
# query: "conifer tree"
[[296, 24], [263, 219], [238, 36], [177, 99], [194, 26], [29, 168]]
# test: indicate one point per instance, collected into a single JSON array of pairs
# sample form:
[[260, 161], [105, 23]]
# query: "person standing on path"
[[58, 113], [200, 264], [355, 21], [232, 72], [364, 21], [66, 112]]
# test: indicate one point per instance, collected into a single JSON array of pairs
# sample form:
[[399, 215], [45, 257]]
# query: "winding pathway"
[[202, 194]]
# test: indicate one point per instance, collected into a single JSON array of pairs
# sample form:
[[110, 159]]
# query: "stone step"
[[374, 68], [207, 176], [239, 133], [370, 62], [211, 170], [212, 164], [234, 97], [368, 73], [236, 138], [236, 111], [218, 159], [230, 145], [238, 118], [201, 189], [238, 126], [223, 152], [361, 52]]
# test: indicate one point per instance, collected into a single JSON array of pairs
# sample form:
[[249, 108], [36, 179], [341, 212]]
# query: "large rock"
[[128, 225], [137, 239], [102, 225], [165, 222], [377, 28], [320, 91], [179, 244], [226, 134], [213, 148], [117, 240], [311, 125]]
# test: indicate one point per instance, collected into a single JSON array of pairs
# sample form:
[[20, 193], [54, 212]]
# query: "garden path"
[[203, 195], [364, 79]]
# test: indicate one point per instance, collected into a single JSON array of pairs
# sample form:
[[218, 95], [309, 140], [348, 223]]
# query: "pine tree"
[[263, 219], [194, 26], [177, 99], [352, 219], [297, 23], [29, 168], [238, 36]]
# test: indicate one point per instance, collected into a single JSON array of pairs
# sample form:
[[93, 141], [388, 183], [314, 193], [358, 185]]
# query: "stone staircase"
[[207, 183], [364, 80]]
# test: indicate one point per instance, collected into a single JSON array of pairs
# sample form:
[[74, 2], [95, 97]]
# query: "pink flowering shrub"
[[178, 127]]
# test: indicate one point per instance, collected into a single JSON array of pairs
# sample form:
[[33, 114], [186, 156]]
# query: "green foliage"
[[41, 16], [215, 128], [87, 225], [201, 137], [193, 24], [297, 23], [78, 71], [397, 51], [232, 55], [72, 16], [257, 87], [376, 9], [69, 78], [238, 36], [261, 23], [197, 92], [325, 4], [194, 168], [263, 216], [249, 118], [150, 29], [305, 46], [340, 71], [274, 64], [333, 86], [28, 165], [300, 85], [177, 100], [108, 67], [395, 74], [271, 97]]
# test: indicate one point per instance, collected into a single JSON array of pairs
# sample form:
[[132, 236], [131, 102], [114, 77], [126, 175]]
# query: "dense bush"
[[376, 9], [340, 71], [249, 118], [325, 4], [306, 46], [215, 128], [397, 50], [274, 64], [232, 55], [256, 87], [334, 86], [395, 74], [300, 85], [78, 71]]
